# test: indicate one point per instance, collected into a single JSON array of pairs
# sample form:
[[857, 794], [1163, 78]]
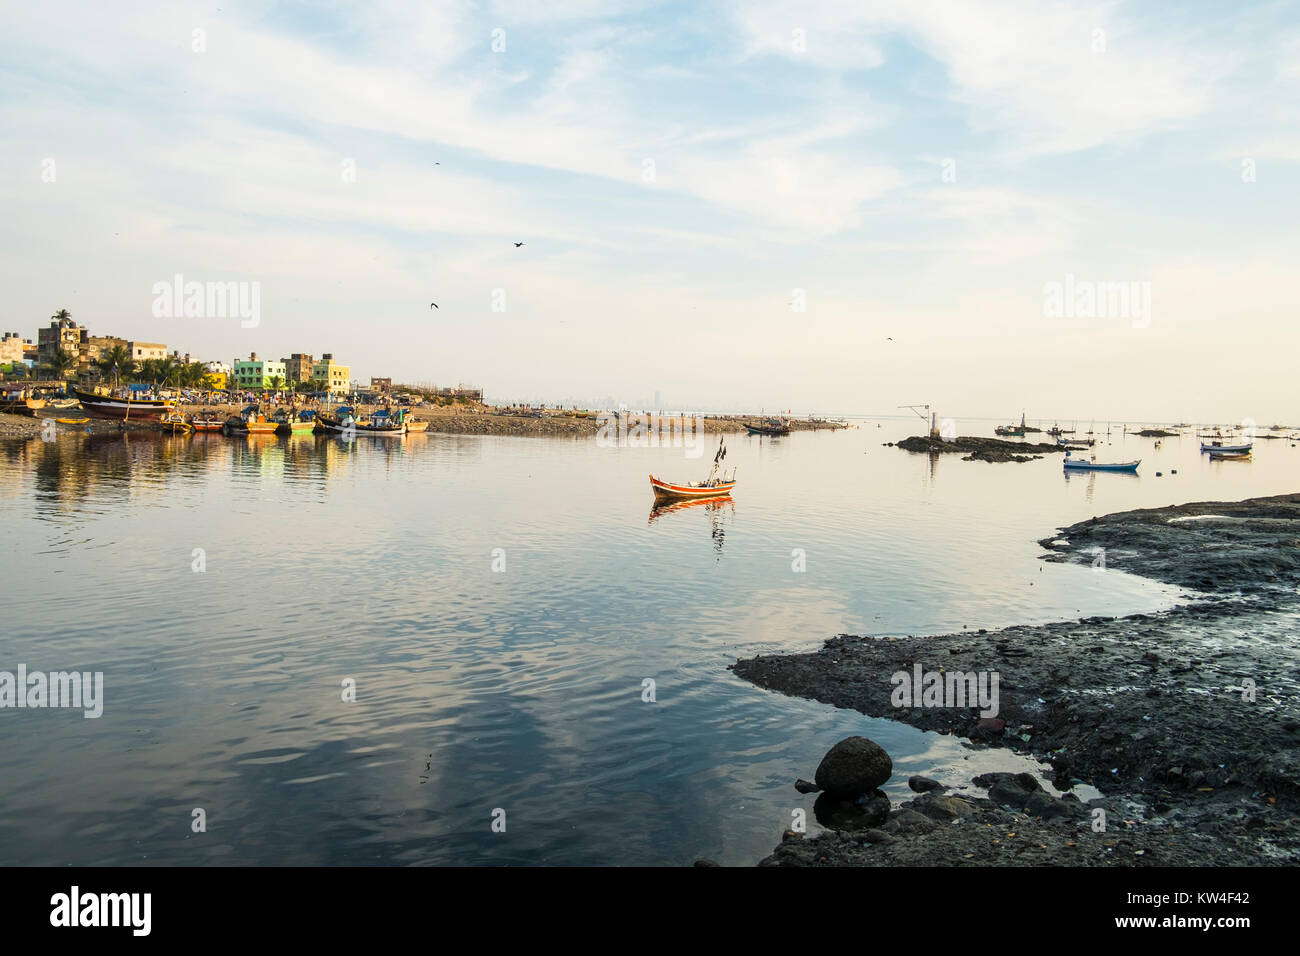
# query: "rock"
[[803, 786], [905, 821], [941, 808], [1010, 789], [861, 813], [854, 765], [704, 863], [922, 784]]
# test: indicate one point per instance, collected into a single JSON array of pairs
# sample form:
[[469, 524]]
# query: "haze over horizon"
[[681, 180]]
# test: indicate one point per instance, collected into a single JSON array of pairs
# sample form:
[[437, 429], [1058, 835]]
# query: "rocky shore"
[[979, 449], [1186, 721]]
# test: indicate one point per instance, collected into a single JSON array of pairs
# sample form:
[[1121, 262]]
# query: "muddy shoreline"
[[1153, 710]]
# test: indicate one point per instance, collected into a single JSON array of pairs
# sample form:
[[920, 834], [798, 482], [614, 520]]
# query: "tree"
[[117, 362], [276, 383], [59, 362], [62, 316]]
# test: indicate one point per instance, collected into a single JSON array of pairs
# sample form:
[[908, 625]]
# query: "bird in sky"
[[518, 244], [434, 305]]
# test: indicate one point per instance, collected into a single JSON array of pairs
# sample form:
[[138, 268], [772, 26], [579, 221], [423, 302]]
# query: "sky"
[[830, 207]]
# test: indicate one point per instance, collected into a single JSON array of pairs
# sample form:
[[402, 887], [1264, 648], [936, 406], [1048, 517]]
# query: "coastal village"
[[58, 377]]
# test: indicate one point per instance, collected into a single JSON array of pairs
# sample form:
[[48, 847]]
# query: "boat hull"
[[667, 491], [123, 409], [1130, 466], [1225, 449]]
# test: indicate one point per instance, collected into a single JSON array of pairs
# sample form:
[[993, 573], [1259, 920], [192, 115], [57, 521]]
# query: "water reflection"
[[720, 511]]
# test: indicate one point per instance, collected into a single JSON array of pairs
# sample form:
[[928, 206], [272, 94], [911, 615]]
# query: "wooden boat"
[[1076, 442], [206, 423], [251, 421], [176, 423], [715, 486], [411, 424], [1084, 464], [1219, 446], [286, 423], [772, 428], [667, 491], [1012, 431], [1229, 456], [381, 423], [123, 409], [72, 421]]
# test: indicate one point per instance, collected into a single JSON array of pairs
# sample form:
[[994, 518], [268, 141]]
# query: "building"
[[143, 351], [257, 373], [13, 348], [462, 391], [62, 334], [381, 384], [298, 367], [332, 376], [218, 374]]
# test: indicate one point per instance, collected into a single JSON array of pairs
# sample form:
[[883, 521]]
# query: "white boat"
[[1084, 464], [1226, 449]]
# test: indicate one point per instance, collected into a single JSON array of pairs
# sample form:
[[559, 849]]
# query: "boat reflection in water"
[[720, 510]]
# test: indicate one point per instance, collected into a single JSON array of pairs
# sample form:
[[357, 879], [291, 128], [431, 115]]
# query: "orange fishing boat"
[[251, 421], [715, 486]]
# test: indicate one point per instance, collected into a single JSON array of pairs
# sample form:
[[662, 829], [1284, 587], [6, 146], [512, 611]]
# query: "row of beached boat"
[[252, 420]]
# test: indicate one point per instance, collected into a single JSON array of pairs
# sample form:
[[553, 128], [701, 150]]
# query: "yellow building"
[[334, 377]]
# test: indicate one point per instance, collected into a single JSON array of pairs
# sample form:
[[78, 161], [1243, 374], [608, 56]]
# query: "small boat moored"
[[176, 423], [1085, 464], [1219, 447], [715, 486]]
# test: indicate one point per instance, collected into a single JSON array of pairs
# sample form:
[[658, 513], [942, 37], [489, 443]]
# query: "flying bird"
[[434, 305], [518, 244]]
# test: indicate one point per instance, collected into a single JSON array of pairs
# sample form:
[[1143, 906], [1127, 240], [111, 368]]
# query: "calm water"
[[519, 689]]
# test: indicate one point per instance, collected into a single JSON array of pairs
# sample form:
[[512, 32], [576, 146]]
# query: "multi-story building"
[[13, 348], [298, 367], [257, 373], [218, 374], [62, 334], [141, 351], [381, 384], [332, 376]]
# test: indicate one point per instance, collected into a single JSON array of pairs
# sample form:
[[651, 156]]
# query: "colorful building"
[[257, 374], [332, 376]]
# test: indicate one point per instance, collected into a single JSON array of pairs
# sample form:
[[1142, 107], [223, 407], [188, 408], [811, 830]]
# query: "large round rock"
[[854, 765]]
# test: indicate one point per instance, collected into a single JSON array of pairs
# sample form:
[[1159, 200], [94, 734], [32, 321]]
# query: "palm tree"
[[63, 315], [59, 362], [118, 361], [193, 375], [276, 383]]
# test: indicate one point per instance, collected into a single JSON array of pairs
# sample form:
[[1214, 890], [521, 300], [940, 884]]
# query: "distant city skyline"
[[1087, 209]]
